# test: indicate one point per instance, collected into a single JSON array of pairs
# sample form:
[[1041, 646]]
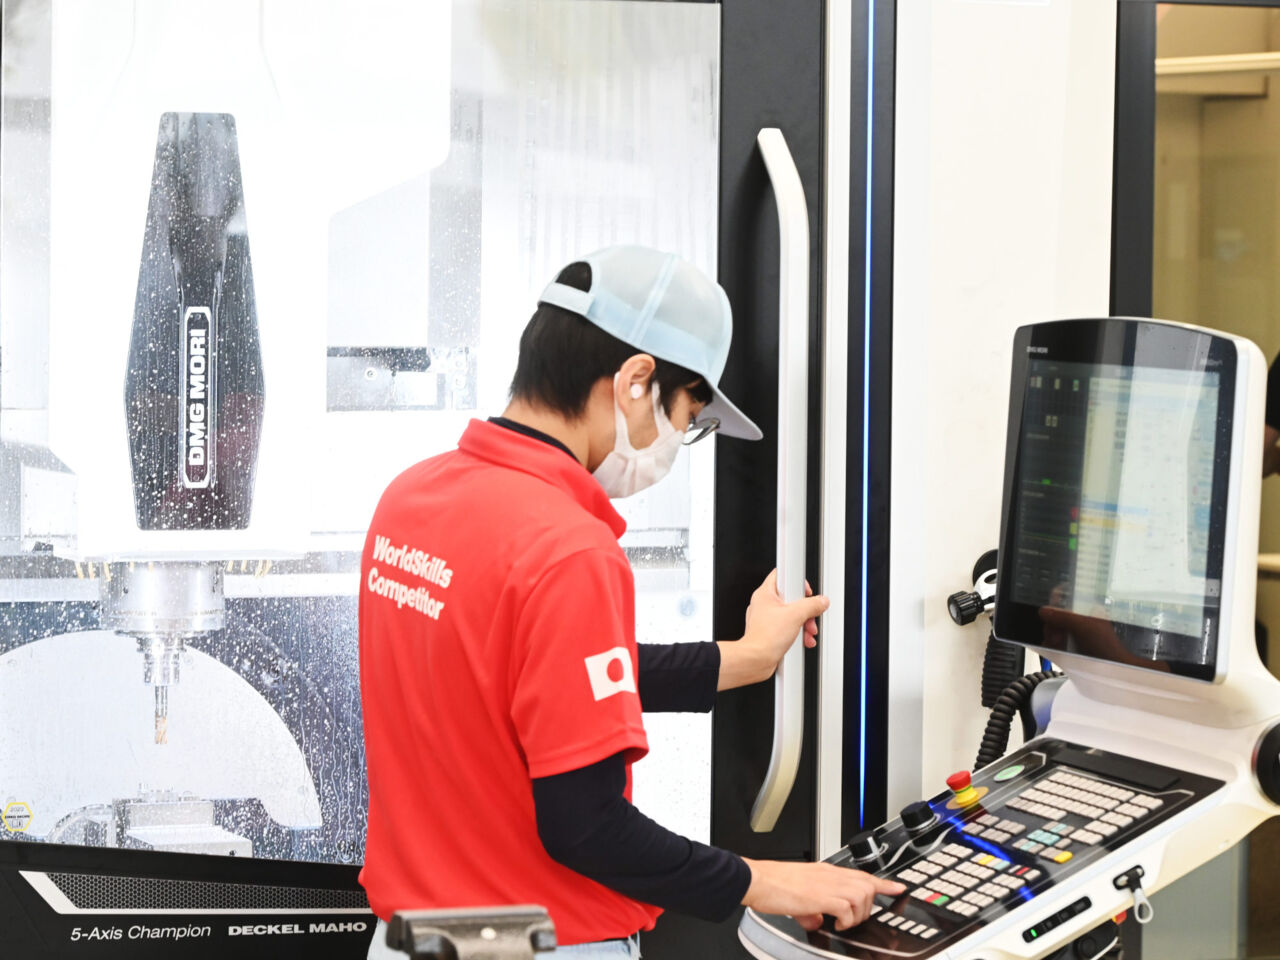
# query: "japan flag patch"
[[610, 672]]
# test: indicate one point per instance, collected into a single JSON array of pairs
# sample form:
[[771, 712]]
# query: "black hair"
[[562, 355]]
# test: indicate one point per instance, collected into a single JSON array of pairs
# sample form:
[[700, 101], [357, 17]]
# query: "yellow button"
[[1063, 857], [985, 859]]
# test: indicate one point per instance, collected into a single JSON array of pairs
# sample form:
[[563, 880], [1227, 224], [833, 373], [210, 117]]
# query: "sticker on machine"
[[16, 817]]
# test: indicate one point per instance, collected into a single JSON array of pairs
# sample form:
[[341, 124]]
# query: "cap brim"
[[733, 422]]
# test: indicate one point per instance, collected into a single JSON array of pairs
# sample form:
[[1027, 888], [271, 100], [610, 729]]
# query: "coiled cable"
[[1016, 699], [1001, 665]]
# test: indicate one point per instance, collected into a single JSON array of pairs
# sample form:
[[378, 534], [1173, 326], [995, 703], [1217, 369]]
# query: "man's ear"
[[634, 378]]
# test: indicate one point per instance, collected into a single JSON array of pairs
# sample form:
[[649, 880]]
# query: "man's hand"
[[806, 891], [772, 626]]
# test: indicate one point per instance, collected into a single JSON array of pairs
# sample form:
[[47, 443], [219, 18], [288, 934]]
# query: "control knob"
[[1266, 763], [918, 818], [965, 606], [865, 847]]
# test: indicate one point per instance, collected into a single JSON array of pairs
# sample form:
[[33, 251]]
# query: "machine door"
[[815, 726]]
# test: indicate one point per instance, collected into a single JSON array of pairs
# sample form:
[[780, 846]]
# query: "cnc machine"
[[1129, 533]]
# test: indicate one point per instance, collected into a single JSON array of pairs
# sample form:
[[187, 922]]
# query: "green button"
[[1008, 773]]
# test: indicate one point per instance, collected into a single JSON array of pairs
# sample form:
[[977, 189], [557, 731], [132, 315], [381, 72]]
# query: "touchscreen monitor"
[[1116, 486]]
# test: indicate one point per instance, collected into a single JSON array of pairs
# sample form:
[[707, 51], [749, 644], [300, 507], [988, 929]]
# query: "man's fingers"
[[812, 607], [808, 590], [889, 887], [810, 921], [842, 910]]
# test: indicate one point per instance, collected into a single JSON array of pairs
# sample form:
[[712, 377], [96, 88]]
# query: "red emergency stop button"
[[961, 785]]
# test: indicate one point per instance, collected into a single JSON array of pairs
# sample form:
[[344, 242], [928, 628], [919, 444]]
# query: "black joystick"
[[864, 847], [964, 607], [918, 818]]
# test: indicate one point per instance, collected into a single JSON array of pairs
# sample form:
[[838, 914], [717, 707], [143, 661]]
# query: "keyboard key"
[[956, 850], [1012, 827], [942, 859], [993, 890], [926, 867], [897, 921], [1151, 803], [988, 820], [998, 864], [1031, 875], [973, 829], [983, 858], [876, 908], [1064, 842], [978, 900], [996, 836], [1117, 819], [929, 934], [1132, 810], [917, 929], [1084, 836], [911, 876]]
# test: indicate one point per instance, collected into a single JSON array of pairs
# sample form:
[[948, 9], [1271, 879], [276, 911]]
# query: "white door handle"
[[793, 461]]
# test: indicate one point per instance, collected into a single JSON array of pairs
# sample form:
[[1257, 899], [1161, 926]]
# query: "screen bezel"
[[1117, 342]]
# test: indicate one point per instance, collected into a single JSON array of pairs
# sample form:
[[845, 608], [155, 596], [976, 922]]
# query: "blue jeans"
[[605, 950]]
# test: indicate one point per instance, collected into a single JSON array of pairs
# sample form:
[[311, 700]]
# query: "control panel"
[[992, 844]]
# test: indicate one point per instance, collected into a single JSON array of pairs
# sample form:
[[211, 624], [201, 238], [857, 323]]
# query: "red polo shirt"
[[497, 645]]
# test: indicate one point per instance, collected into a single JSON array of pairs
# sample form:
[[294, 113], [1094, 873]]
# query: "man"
[[501, 683]]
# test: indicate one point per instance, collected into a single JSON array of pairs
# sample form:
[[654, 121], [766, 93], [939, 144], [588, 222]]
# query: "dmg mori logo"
[[197, 397]]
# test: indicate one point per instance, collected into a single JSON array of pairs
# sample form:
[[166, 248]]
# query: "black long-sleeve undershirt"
[[678, 677], [587, 824]]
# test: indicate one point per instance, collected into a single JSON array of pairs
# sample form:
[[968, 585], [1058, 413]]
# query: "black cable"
[[1002, 664], [1016, 698]]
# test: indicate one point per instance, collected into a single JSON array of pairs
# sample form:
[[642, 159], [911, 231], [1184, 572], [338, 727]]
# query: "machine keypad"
[[1033, 823]]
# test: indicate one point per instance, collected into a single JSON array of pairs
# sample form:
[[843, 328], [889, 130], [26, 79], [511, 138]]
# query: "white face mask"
[[627, 470]]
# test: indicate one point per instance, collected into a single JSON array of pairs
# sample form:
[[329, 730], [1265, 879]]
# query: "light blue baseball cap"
[[665, 306]]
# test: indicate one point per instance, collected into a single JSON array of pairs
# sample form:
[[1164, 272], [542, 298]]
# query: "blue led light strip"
[[866, 421]]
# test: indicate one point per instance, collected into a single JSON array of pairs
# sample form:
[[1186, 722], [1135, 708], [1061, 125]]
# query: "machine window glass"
[[234, 304]]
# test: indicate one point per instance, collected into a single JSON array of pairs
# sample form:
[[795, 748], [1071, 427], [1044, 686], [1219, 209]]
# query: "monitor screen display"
[[1115, 508]]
